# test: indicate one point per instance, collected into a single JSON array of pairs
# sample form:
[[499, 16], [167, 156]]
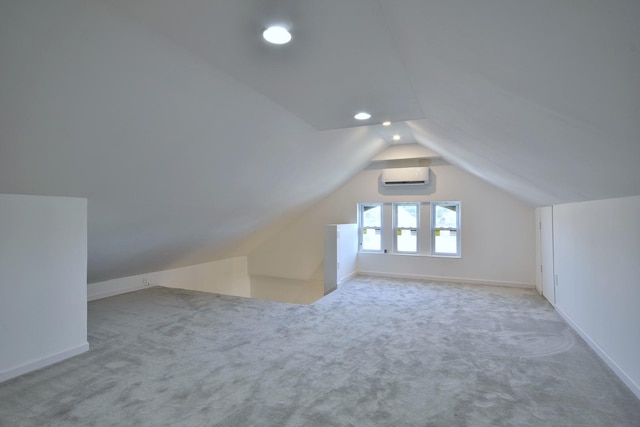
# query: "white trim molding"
[[96, 291], [43, 362], [626, 379], [485, 282], [347, 277]]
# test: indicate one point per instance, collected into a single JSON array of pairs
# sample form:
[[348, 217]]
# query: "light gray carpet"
[[375, 352]]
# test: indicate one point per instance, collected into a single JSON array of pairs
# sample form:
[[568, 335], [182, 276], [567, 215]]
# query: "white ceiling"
[[187, 132]]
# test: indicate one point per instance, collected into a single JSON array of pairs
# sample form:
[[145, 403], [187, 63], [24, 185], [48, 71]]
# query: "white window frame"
[[396, 228], [435, 228], [361, 207]]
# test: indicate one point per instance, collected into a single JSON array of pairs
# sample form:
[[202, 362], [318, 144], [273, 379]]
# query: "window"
[[445, 228], [370, 220], [399, 228], [406, 219]]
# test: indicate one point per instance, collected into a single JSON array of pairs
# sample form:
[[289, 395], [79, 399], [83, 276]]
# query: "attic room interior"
[[403, 213]]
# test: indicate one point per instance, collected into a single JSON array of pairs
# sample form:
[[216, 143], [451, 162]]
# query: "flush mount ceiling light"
[[387, 123], [362, 116], [277, 35], [396, 137]]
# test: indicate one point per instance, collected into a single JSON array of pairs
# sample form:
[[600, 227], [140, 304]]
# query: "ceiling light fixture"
[[362, 116], [277, 35], [387, 123], [396, 137]]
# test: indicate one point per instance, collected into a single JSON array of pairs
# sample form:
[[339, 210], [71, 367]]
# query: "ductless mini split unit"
[[405, 176]]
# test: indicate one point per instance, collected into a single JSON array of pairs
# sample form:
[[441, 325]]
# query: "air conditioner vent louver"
[[405, 176], [404, 182]]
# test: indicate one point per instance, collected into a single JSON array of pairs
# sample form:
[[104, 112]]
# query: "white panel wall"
[[340, 254], [498, 233], [43, 281], [286, 290], [347, 251], [597, 261], [538, 251], [330, 258], [227, 276], [296, 251]]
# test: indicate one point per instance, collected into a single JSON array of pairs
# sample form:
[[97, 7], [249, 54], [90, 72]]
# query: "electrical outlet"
[[145, 282]]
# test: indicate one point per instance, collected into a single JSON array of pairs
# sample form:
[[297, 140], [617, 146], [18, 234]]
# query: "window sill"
[[411, 255]]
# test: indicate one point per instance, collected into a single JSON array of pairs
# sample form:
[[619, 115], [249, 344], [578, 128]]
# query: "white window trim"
[[433, 228], [396, 228], [360, 228]]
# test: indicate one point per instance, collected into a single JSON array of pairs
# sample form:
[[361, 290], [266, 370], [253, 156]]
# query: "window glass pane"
[[371, 239], [446, 241], [407, 241], [372, 216], [446, 216], [407, 216]]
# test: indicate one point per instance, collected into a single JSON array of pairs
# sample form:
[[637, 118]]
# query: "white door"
[[546, 256]]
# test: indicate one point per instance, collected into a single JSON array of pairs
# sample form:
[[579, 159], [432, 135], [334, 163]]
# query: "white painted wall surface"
[[498, 232], [95, 102], [43, 281], [546, 254], [597, 254], [296, 251], [287, 290], [347, 251], [538, 251], [330, 258], [340, 254], [227, 276]]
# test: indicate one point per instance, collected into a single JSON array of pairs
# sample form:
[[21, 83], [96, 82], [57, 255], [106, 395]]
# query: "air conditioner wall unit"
[[405, 176]]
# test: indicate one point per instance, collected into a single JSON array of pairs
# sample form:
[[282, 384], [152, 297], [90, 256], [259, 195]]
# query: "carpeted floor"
[[375, 352]]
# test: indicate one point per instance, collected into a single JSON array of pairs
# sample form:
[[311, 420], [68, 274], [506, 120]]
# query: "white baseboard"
[[226, 276], [347, 277], [43, 362], [450, 279], [93, 294], [114, 287], [328, 291], [626, 379]]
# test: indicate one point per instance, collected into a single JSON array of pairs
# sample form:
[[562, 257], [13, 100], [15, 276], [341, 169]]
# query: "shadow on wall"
[[286, 290], [226, 277]]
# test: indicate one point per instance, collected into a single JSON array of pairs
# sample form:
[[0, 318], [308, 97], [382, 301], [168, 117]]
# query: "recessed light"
[[277, 35], [362, 116], [396, 137], [387, 123]]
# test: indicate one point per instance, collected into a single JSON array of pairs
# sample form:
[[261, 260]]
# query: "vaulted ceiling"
[[187, 132]]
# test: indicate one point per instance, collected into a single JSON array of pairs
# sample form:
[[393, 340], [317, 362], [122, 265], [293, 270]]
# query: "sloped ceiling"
[[187, 132]]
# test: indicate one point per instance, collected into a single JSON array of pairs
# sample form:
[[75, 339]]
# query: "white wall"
[[287, 290], [296, 251], [330, 258], [340, 254], [597, 261], [498, 233], [95, 102], [43, 281], [227, 276], [538, 251], [347, 251]]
